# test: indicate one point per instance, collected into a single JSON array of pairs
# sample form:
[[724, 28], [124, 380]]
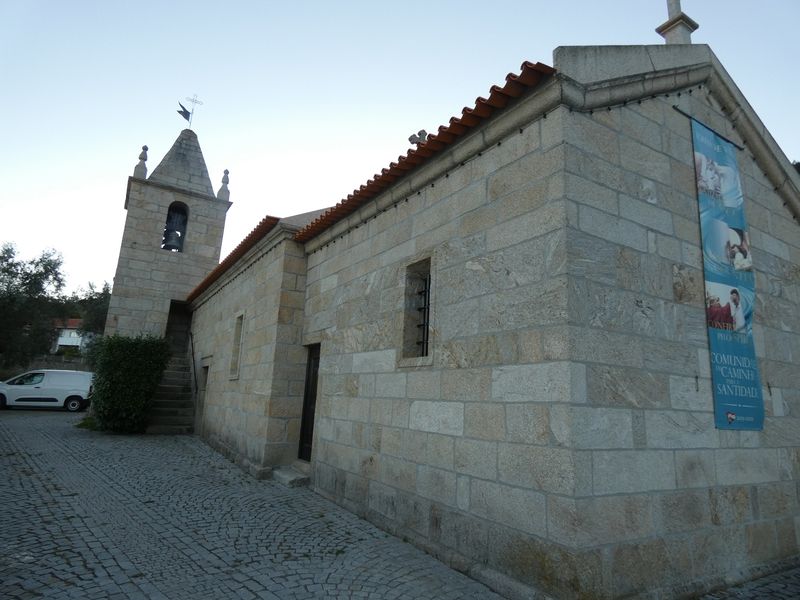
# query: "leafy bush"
[[127, 373]]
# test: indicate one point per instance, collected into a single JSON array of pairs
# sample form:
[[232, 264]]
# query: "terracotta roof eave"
[[482, 109], [446, 136], [457, 127], [469, 119], [530, 76]]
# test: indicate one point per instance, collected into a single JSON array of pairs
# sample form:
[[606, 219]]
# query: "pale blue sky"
[[303, 101]]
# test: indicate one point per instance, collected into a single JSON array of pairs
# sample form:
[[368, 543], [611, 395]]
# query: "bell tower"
[[172, 238]]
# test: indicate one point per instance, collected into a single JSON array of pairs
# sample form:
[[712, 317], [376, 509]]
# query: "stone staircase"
[[173, 406]]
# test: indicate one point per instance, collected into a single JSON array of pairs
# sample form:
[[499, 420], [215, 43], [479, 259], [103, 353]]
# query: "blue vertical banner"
[[729, 283]]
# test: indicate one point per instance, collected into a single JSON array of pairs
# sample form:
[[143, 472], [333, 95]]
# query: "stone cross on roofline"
[[678, 28]]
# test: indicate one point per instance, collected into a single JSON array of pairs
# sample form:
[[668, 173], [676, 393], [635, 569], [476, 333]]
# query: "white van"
[[46, 387]]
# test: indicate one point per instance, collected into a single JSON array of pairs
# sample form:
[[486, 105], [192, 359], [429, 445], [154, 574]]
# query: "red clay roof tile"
[[71, 323]]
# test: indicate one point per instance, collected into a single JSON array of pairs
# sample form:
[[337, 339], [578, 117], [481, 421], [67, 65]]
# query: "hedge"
[[127, 373]]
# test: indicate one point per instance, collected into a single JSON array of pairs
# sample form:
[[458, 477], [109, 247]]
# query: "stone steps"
[[172, 420], [160, 412], [154, 429], [176, 403], [172, 412], [172, 392]]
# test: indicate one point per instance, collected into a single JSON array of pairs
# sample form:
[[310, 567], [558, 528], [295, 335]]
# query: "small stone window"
[[236, 350], [175, 227], [417, 317]]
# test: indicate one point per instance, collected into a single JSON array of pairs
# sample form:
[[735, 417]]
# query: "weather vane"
[[186, 114]]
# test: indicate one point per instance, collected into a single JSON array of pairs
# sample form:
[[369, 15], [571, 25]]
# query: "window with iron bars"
[[417, 321], [236, 349]]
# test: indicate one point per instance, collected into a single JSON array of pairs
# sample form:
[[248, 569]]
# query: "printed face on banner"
[[729, 283]]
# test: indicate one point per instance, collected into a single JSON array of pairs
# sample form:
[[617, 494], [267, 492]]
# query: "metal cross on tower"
[[194, 102], [185, 113]]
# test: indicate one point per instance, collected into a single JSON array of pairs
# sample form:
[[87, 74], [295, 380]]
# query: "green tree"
[[30, 301], [91, 306]]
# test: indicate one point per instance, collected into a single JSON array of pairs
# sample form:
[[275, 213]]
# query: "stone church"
[[498, 347]]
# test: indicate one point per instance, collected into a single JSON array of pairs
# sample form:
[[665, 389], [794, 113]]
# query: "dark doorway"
[[178, 324], [309, 403]]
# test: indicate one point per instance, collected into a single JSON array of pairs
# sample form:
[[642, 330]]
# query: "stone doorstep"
[[289, 476], [302, 466]]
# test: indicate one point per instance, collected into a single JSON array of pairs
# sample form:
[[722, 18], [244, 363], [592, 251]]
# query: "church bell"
[[172, 240]]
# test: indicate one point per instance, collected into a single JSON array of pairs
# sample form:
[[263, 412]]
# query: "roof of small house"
[[67, 323]]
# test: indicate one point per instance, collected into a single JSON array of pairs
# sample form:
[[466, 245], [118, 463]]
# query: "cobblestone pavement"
[[88, 515], [781, 586]]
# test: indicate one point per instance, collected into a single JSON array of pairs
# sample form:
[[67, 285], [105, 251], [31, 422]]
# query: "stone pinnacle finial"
[[140, 170], [224, 193], [678, 27]]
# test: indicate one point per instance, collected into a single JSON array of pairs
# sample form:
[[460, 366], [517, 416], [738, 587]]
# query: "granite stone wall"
[[147, 277], [251, 410], [562, 431], [559, 433], [458, 450], [672, 499]]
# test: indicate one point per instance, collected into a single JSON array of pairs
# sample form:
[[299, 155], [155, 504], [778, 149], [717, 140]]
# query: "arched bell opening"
[[175, 227]]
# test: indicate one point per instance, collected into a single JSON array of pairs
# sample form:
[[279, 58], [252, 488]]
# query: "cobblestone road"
[[781, 586], [87, 515]]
